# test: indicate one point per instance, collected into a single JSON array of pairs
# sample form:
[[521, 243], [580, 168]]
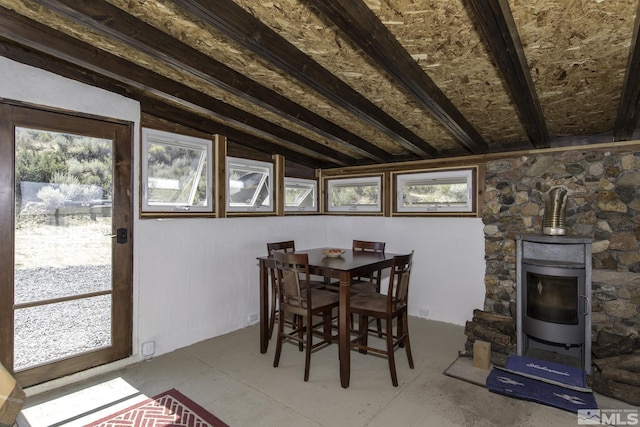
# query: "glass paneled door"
[[71, 281]]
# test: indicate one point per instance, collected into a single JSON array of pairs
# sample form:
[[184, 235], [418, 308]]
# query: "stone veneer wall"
[[603, 203]]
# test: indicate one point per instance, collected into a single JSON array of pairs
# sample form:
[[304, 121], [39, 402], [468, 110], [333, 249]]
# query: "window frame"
[[331, 183], [251, 165], [301, 182], [183, 141], [468, 175]]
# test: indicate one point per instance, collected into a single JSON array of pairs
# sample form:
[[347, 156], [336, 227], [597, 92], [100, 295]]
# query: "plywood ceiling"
[[342, 83]]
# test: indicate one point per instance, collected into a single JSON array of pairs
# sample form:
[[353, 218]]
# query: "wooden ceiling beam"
[[41, 38], [629, 108], [500, 32], [111, 21], [243, 28], [154, 106], [356, 20]]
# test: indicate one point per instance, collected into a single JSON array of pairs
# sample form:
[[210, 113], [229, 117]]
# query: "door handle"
[[121, 235]]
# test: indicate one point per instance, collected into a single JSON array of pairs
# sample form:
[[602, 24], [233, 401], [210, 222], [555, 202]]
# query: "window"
[[354, 194], [175, 173], [447, 191], [300, 195], [249, 185]]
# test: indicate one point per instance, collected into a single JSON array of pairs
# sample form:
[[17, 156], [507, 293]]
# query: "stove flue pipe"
[[554, 212]]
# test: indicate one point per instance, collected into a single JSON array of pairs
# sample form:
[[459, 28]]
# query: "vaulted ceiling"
[[352, 82]]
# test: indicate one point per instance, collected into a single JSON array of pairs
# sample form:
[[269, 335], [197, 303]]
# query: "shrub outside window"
[[300, 195], [354, 194], [249, 185], [447, 191], [175, 173]]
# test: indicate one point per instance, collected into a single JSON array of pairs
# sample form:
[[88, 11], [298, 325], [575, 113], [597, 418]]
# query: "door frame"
[[15, 113]]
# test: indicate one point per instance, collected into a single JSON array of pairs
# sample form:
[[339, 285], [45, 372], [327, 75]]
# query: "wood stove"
[[554, 299]]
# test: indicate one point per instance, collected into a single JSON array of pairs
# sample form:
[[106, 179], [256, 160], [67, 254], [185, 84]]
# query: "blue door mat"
[[544, 382]]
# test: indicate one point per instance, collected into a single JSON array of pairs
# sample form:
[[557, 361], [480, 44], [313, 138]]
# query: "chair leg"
[[363, 332], [300, 333], [379, 325], [327, 316], [401, 329], [407, 343], [309, 344], [276, 359], [390, 358]]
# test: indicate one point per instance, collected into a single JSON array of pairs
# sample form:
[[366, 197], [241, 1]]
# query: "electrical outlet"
[[253, 318], [424, 312], [148, 349]]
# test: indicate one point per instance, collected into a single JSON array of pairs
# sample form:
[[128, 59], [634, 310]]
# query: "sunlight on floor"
[[79, 408]]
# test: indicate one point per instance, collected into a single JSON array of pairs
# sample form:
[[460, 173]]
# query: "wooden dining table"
[[345, 267]]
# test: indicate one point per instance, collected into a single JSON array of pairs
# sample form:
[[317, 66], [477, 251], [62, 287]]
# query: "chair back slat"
[[285, 246], [398, 292], [366, 246], [291, 290], [292, 272]]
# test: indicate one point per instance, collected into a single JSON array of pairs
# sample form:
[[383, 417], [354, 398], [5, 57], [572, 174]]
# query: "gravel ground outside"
[[47, 332], [53, 331]]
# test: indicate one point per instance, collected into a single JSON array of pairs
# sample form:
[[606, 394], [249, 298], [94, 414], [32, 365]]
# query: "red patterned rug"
[[168, 409]]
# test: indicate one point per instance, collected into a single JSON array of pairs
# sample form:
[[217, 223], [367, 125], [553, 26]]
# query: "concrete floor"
[[229, 377]]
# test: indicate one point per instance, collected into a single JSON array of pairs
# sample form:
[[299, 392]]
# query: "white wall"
[[198, 278], [24, 83]]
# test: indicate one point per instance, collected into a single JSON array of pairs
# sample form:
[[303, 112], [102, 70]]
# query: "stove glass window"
[[552, 298]]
